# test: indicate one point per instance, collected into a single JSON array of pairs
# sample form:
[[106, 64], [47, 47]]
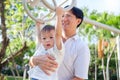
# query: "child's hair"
[[48, 28]]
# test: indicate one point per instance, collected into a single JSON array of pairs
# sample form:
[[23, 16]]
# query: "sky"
[[110, 6]]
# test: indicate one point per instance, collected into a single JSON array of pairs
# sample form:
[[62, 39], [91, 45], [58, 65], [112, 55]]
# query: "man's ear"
[[79, 21]]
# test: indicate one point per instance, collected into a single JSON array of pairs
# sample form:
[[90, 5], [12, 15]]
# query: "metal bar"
[[118, 52], [98, 24]]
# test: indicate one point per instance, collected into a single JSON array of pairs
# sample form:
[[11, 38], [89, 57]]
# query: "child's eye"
[[51, 37], [44, 38]]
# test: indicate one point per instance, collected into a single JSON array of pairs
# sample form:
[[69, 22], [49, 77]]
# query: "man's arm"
[[76, 78], [45, 62], [58, 36], [81, 64]]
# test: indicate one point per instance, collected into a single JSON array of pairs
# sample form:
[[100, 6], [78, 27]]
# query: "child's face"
[[47, 38]]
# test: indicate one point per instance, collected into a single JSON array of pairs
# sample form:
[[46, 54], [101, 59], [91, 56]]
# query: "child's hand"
[[38, 24]]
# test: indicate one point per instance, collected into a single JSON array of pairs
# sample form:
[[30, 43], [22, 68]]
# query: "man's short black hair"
[[78, 13]]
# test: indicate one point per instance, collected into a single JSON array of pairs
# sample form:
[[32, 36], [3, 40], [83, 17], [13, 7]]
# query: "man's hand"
[[76, 78], [45, 62], [59, 11]]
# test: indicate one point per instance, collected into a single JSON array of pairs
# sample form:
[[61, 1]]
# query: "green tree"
[[17, 31], [92, 32]]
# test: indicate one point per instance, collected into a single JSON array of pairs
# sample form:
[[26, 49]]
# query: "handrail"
[[101, 25]]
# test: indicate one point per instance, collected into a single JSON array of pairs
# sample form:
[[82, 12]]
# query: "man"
[[76, 61]]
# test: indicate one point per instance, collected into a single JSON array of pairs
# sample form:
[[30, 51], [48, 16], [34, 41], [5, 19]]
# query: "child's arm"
[[38, 25], [58, 36]]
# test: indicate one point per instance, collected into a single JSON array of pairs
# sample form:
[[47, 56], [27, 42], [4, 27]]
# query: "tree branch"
[[14, 55], [5, 41]]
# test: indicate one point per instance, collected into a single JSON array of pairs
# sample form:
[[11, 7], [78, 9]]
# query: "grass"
[[13, 78]]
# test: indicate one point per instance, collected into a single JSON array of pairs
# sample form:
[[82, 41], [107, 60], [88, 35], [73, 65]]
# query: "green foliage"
[[20, 28], [13, 78], [91, 32]]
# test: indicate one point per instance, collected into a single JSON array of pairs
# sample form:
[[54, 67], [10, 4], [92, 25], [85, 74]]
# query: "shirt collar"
[[75, 37]]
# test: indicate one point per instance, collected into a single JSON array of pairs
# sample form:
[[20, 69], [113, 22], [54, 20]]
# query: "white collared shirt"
[[37, 73], [76, 59]]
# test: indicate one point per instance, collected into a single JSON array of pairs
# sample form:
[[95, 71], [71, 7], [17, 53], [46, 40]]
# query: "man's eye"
[[68, 15]]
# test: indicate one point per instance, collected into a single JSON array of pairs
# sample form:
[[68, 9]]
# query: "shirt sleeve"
[[59, 51], [58, 54], [81, 64], [36, 52]]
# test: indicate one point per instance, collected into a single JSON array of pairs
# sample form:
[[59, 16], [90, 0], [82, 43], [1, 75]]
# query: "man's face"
[[69, 21]]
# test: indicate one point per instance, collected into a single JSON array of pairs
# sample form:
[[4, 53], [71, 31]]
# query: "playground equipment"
[[44, 4], [118, 50], [51, 9]]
